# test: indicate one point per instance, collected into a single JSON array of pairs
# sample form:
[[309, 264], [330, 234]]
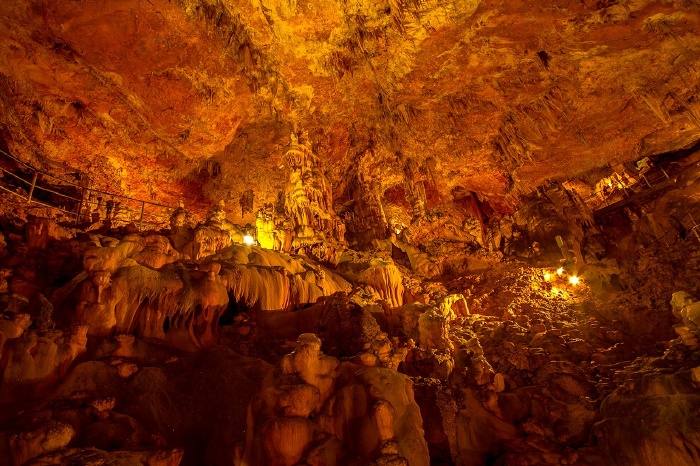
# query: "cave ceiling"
[[196, 99]]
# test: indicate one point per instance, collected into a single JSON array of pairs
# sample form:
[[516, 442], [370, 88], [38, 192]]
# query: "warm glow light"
[[248, 240], [560, 271], [574, 280], [547, 276]]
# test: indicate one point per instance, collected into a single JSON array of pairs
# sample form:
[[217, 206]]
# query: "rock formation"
[[319, 410], [318, 231], [138, 285], [33, 359]]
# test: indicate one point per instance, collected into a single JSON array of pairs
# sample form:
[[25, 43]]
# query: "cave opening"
[[234, 308]]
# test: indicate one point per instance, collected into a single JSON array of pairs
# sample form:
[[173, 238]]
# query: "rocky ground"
[[119, 348]]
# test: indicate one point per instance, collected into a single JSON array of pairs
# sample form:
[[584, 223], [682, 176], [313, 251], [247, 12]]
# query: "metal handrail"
[[12, 192], [71, 183], [34, 169], [649, 183], [144, 217], [34, 201], [57, 193], [16, 176]]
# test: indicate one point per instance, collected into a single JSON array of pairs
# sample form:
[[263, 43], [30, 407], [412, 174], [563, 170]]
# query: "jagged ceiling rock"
[[490, 96], [116, 87]]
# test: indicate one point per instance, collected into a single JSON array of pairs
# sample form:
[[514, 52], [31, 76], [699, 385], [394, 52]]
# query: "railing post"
[[80, 206], [143, 206], [695, 226], [665, 174], [31, 189]]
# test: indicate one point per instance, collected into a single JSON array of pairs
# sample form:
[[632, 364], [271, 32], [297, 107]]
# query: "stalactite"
[[415, 188], [309, 204]]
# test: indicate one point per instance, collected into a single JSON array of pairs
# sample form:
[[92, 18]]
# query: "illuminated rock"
[[310, 365], [366, 219], [433, 331], [214, 235], [267, 234], [359, 408], [382, 275], [13, 325], [41, 231], [453, 306], [181, 231], [415, 189], [48, 438], [182, 304], [121, 216], [37, 359], [420, 262], [462, 143], [348, 329], [157, 252], [309, 203], [112, 256], [687, 310]]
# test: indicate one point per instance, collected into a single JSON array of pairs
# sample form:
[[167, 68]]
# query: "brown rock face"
[[318, 411], [37, 358], [27, 445], [429, 99], [136, 83], [191, 350]]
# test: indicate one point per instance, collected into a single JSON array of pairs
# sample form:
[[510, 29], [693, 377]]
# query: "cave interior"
[[350, 232]]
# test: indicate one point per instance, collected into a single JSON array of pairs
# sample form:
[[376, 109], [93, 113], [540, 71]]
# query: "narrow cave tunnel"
[[445, 233]]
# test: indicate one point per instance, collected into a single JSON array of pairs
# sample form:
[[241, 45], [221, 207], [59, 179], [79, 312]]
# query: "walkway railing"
[[604, 198], [693, 227], [82, 203], [654, 178]]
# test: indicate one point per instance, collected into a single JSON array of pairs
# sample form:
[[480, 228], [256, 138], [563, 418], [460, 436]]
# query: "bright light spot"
[[547, 276], [248, 240], [560, 271], [574, 280]]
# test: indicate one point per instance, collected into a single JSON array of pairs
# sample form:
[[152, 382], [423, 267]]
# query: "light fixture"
[[248, 240], [574, 280], [560, 271]]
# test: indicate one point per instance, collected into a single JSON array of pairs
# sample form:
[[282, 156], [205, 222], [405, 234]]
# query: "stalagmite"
[[33, 359], [415, 189], [314, 396], [318, 231], [137, 285]]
